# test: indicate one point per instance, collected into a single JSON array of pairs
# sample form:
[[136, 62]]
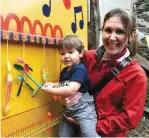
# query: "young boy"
[[74, 78]]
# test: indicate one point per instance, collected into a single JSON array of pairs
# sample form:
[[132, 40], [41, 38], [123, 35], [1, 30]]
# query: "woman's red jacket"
[[120, 104]]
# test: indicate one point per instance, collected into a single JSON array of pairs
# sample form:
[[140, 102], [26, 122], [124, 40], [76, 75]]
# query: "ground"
[[142, 130]]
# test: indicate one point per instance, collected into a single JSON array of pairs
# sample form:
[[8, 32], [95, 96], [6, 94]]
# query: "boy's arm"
[[69, 90], [56, 84]]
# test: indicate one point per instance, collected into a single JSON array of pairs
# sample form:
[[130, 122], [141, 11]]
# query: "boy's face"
[[70, 56]]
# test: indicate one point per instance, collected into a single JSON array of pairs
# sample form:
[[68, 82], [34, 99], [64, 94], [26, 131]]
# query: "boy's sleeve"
[[79, 75]]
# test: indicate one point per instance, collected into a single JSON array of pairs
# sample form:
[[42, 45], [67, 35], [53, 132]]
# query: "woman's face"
[[114, 36]]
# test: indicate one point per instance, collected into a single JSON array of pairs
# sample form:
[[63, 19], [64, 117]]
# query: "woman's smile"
[[113, 45]]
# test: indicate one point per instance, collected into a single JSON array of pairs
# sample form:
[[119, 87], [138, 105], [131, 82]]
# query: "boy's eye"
[[62, 54], [70, 52]]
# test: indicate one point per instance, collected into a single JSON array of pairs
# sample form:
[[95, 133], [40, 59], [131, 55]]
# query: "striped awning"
[[29, 38]]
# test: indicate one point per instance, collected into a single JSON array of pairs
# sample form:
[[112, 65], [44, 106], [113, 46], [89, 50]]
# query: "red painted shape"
[[53, 30], [9, 17], [2, 21], [32, 28], [48, 25], [67, 4], [37, 22], [26, 19], [56, 27]]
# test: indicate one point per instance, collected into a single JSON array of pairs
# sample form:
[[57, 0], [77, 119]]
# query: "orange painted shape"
[[55, 98]]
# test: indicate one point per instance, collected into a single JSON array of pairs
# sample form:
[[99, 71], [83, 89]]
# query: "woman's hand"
[[71, 120], [71, 100]]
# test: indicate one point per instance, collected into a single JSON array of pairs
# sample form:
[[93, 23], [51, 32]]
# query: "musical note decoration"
[[46, 9], [67, 4], [81, 22]]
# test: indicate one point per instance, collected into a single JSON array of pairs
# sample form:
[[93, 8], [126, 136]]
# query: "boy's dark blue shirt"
[[77, 73]]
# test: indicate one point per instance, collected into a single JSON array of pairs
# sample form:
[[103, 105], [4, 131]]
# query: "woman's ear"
[[133, 35], [133, 43]]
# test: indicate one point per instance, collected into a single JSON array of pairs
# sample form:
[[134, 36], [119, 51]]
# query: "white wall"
[[107, 5]]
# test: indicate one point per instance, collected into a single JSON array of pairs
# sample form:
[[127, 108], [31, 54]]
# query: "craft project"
[[22, 79], [44, 71], [39, 85], [8, 85], [25, 68], [20, 68]]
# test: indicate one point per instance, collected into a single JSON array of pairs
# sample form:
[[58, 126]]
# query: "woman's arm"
[[71, 100], [132, 108]]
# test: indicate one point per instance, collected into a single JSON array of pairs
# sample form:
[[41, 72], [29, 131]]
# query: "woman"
[[120, 103]]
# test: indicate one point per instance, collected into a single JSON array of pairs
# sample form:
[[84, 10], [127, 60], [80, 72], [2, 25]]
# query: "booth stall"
[[30, 34]]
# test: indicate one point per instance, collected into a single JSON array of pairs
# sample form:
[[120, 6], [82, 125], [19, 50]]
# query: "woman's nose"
[[113, 36]]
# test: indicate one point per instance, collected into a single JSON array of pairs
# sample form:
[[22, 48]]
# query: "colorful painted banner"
[[43, 19]]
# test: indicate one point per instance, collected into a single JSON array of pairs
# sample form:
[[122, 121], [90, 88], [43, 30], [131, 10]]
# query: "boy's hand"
[[46, 87], [49, 84]]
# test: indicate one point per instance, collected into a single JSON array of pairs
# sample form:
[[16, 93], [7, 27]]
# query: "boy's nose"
[[66, 55]]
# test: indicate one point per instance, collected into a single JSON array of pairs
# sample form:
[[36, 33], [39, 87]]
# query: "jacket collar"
[[100, 51]]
